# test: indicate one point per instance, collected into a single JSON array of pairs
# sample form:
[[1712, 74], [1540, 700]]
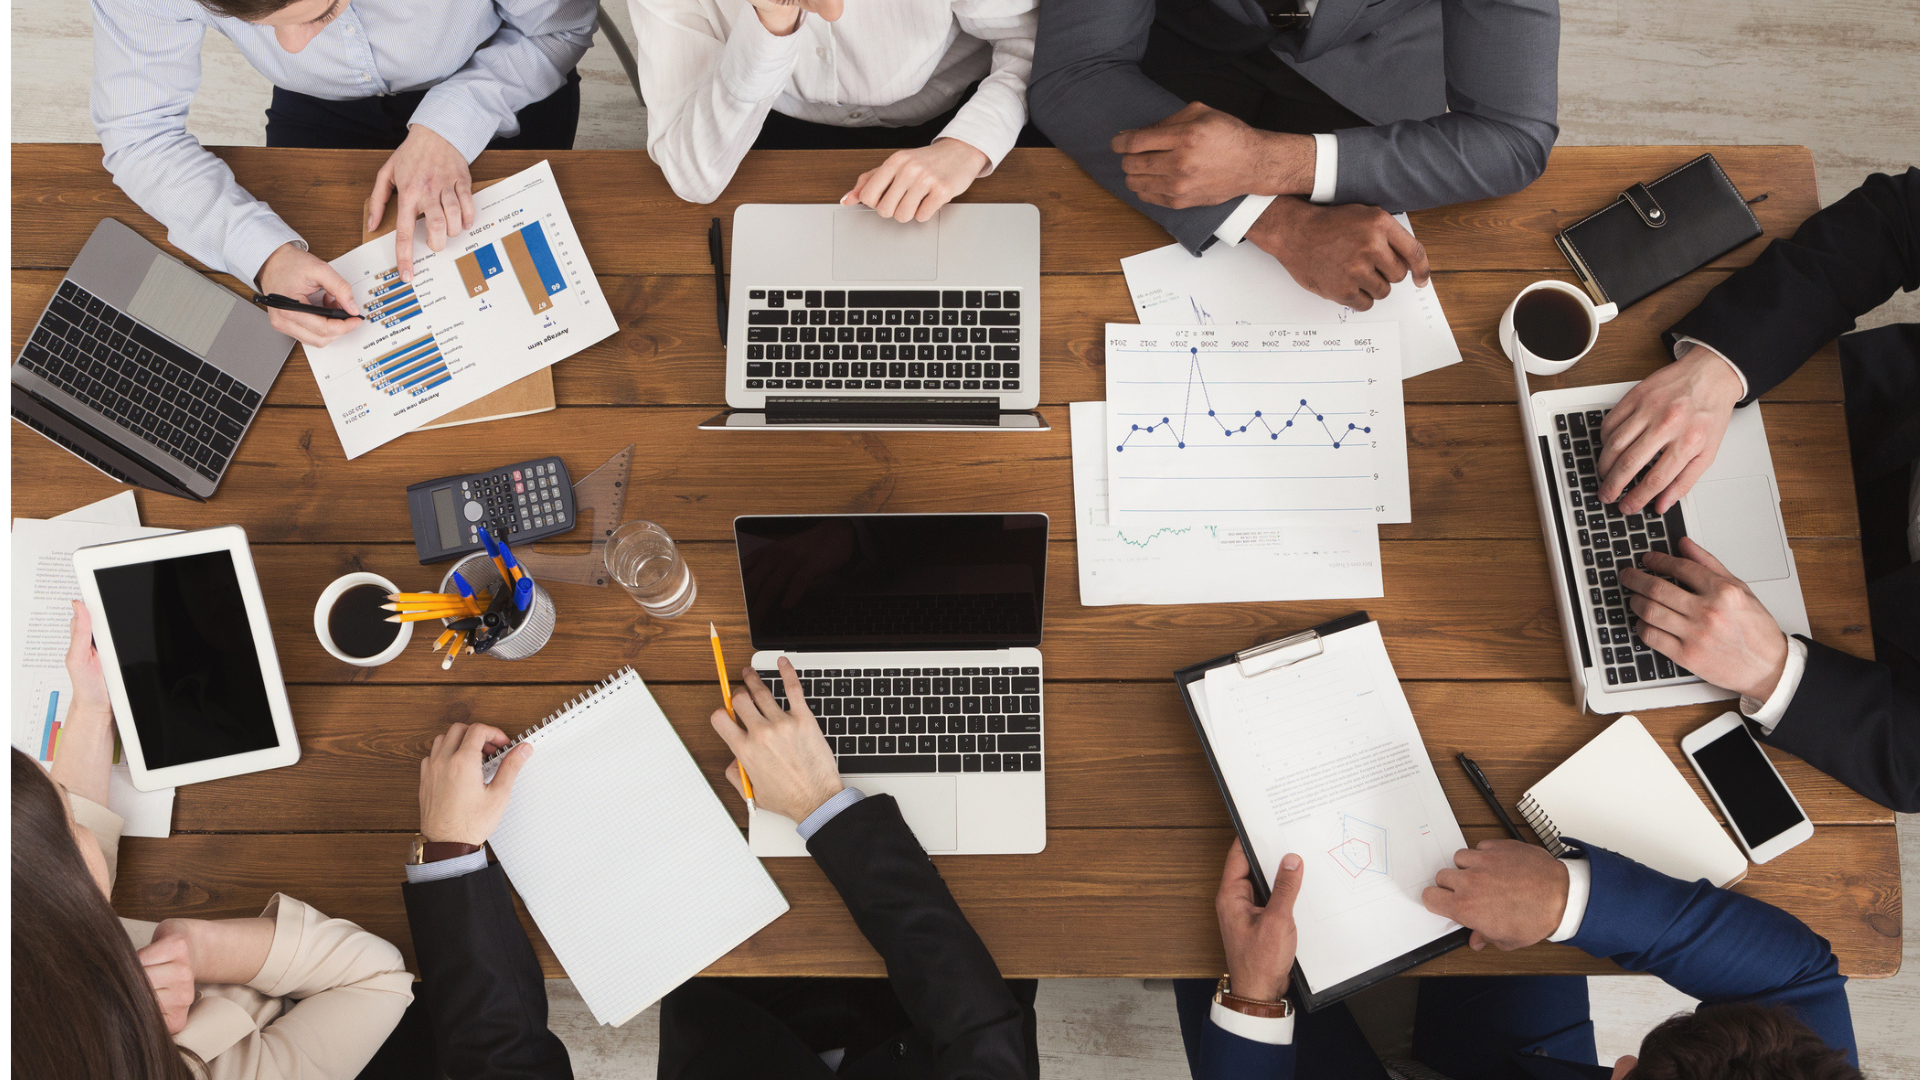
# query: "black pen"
[[288, 303], [1479, 781], [719, 277]]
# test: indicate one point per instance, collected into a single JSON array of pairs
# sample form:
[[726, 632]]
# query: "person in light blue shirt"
[[436, 83]]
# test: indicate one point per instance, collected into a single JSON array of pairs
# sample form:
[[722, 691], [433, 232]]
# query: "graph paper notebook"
[[632, 869]]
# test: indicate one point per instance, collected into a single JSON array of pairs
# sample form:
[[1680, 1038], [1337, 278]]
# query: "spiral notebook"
[[1621, 792], [633, 870]]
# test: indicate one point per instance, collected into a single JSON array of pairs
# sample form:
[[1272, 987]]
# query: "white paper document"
[[1325, 761], [504, 299], [1264, 425], [1243, 284], [43, 586], [1183, 559]]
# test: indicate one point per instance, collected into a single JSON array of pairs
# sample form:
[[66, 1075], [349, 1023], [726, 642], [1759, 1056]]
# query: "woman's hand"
[[84, 757], [782, 17], [83, 669], [168, 961], [912, 184]]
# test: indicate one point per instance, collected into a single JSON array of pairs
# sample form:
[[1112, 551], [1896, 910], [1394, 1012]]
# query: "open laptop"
[[1733, 511], [841, 319], [915, 638], [144, 369]]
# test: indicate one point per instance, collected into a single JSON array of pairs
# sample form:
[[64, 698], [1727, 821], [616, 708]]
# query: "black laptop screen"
[[894, 581]]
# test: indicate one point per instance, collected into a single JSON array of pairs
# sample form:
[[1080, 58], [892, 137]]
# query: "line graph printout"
[[1274, 425], [1325, 760], [1184, 559], [502, 300]]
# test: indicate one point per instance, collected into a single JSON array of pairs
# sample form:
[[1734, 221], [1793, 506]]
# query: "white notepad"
[[1621, 792], [629, 864]]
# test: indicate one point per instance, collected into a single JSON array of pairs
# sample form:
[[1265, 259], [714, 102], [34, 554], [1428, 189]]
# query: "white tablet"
[[188, 655]]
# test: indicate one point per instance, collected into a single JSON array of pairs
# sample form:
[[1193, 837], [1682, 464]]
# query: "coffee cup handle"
[[1605, 312]]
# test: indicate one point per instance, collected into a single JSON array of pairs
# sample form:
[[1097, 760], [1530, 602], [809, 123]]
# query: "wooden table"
[[1136, 828]]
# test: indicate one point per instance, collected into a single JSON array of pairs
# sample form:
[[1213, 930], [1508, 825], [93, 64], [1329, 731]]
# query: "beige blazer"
[[329, 994]]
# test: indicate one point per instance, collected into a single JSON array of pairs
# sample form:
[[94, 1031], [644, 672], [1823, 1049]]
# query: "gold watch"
[[1272, 1010]]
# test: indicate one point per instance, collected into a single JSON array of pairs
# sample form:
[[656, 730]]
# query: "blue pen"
[[510, 567], [493, 549], [523, 594]]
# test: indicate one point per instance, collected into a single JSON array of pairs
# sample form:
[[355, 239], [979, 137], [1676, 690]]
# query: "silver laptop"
[[841, 319], [1733, 511], [144, 369], [915, 637]]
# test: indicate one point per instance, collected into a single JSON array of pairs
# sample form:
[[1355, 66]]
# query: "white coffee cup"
[[324, 608], [1596, 314]]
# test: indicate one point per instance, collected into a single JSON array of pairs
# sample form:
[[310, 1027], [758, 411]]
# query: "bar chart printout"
[[1256, 424]]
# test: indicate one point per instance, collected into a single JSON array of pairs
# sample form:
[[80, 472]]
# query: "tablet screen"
[[187, 658]]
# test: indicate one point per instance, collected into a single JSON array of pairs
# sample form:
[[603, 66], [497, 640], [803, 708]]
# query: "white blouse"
[[710, 72]]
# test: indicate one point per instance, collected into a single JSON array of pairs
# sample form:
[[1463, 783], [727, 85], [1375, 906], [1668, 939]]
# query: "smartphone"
[[1766, 818]]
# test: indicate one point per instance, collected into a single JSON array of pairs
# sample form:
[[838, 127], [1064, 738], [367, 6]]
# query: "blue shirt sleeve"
[[447, 868], [828, 810]]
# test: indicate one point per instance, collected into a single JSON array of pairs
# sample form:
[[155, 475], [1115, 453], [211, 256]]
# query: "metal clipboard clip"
[[1275, 655]]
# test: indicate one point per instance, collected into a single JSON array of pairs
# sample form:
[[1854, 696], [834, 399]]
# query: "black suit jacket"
[[1855, 719]]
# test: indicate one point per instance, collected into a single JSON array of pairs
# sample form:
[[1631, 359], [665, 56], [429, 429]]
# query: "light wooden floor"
[[1836, 77]]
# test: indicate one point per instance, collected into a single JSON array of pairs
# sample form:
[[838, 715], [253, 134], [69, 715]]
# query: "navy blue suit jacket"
[[1716, 945]]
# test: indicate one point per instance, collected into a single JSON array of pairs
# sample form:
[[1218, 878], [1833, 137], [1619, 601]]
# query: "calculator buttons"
[[516, 474], [473, 511]]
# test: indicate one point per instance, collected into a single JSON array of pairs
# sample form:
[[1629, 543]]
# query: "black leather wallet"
[[1654, 234]]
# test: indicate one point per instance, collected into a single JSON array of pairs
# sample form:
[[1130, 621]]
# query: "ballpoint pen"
[[1479, 781], [523, 594], [719, 277], [466, 592], [514, 571], [493, 549], [726, 698], [288, 303]]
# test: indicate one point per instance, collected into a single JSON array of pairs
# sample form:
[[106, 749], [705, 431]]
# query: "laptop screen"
[[894, 581]]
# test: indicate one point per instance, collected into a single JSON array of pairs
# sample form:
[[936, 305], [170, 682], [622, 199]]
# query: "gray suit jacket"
[[1462, 93]]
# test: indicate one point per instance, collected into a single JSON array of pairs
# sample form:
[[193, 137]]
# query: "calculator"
[[518, 503]]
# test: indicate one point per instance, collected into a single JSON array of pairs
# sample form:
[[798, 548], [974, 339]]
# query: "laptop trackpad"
[[1734, 520], [868, 247], [181, 304], [929, 803]]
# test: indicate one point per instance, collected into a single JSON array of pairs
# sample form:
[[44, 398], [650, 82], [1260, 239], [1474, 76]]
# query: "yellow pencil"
[[726, 698], [447, 663], [445, 636], [419, 597], [450, 605], [424, 616]]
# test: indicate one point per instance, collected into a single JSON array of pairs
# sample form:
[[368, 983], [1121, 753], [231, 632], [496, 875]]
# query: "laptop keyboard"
[[924, 720], [182, 405], [890, 340], [1604, 541]]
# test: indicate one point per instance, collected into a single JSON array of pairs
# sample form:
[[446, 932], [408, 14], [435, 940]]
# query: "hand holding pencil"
[[793, 771]]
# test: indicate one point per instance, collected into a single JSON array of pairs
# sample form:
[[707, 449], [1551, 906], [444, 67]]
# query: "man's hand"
[[912, 184], [456, 804], [1679, 413], [1714, 627], [1201, 156], [1351, 254], [432, 180], [1259, 941], [168, 962], [781, 17], [1511, 894], [294, 272], [784, 753]]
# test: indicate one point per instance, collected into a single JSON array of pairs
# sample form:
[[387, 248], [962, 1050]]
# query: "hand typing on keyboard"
[[1677, 415], [1709, 622], [793, 771]]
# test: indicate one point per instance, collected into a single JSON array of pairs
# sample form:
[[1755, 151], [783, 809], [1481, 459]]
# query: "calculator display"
[[444, 516]]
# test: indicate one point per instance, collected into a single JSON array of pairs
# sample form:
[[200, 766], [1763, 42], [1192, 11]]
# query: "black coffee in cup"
[[357, 624], [1553, 324]]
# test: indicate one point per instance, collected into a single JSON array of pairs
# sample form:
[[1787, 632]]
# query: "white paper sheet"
[[1325, 761], [1182, 559], [1242, 284], [506, 298], [43, 585], [1266, 425]]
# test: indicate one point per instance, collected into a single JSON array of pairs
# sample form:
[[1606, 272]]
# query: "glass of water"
[[648, 564]]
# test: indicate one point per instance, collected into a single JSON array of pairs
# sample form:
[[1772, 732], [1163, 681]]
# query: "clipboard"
[[1253, 662]]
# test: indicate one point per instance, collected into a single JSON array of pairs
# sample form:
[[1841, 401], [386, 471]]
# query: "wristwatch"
[[437, 851], [1271, 1010]]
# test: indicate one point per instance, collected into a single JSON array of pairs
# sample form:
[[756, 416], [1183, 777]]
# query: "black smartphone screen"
[[1749, 790]]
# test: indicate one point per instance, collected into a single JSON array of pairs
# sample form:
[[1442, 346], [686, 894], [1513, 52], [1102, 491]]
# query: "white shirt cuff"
[[828, 810], [1579, 888], [1682, 345], [1272, 1030], [1234, 229], [1326, 167], [418, 873], [1768, 714]]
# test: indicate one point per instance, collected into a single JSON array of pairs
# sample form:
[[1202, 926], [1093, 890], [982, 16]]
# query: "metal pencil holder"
[[533, 632]]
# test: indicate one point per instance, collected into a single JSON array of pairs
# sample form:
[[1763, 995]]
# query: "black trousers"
[[1255, 86], [783, 132], [380, 123]]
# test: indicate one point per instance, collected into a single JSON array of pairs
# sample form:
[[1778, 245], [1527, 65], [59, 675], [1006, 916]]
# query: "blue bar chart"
[[392, 302], [413, 368]]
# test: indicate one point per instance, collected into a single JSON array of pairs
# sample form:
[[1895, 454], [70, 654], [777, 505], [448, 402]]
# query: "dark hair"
[[246, 10], [1739, 1041], [82, 1005]]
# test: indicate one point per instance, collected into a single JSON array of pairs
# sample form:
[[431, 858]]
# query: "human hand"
[[433, 182], [780, 17], [1201, 156], [1350, 254], [83, 670], [784, 753], [1714, 627], [457, 805], [1259, 941], [1511, 894], [912, 184], [1678, 413], [295, 272], [168, 962]]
